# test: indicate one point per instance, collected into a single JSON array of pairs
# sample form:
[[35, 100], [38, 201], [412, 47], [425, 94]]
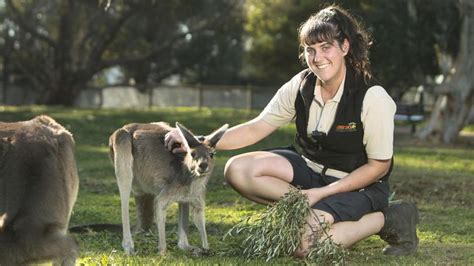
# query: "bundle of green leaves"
[[278, 231]]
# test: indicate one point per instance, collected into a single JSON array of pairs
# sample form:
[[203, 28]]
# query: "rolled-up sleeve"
[[378, 112], [281, 108]]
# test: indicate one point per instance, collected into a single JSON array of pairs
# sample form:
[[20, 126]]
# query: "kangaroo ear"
[[188, 138], [213, 138]]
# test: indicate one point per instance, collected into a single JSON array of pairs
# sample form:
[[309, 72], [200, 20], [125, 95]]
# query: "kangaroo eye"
[[193, 154], [212, 153]]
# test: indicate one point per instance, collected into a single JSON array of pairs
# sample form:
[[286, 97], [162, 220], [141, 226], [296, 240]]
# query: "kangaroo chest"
[[174, 188]]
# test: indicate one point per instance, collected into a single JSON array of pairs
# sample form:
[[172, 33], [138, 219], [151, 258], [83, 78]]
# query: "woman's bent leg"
[[348, 233], [345, 233], [265, 177], [260, 176]]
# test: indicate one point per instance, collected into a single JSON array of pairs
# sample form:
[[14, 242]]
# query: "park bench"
[[412, 109]]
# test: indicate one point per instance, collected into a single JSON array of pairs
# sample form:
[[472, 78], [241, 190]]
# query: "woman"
[[344, 140]]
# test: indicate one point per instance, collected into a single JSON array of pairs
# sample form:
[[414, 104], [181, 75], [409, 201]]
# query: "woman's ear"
[[345, 47]]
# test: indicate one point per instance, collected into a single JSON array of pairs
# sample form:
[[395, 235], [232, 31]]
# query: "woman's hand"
[[314, 195], [174, 142]]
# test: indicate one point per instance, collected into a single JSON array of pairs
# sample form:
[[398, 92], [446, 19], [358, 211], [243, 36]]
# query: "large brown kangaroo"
[[38, 188]]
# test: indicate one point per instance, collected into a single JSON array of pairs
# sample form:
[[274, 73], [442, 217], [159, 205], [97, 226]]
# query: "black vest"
[[342, 148]]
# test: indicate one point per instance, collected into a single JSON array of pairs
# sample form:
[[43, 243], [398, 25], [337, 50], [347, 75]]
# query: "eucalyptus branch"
[[277, 232]]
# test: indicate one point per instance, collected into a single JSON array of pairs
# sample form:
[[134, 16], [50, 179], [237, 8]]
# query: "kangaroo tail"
[[121, 153]]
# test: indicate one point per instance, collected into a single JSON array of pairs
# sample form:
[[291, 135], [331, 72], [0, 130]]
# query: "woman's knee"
[[242, 171], [235, 170]]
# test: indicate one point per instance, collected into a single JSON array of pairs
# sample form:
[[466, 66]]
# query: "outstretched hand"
[[174, 141]]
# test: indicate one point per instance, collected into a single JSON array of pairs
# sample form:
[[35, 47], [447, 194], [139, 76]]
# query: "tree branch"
[[105, 39], [139, 58], [460, 80], [196, 27], [23, 24]]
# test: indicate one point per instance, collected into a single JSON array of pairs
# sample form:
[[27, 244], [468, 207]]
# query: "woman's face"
[[326, 60]]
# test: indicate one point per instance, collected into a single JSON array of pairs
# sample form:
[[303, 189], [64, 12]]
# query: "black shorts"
[[347, 206]]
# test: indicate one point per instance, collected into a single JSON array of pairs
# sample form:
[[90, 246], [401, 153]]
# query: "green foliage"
[[278, 230], [271, 26], [437, 177], [405, 35], [58, 47]]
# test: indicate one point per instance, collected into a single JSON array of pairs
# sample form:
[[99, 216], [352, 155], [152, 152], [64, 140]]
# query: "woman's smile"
[[322, 66]]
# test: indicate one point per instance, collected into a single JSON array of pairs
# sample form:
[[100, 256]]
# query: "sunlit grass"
[[441, 159], [439, 178]]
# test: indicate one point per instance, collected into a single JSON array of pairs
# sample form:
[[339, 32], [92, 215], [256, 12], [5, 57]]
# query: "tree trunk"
[[470, 120], [62, 94], [62, 97], [455, 96]]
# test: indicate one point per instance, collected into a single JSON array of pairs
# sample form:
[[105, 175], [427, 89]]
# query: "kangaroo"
[[38, 188], [157, 178]]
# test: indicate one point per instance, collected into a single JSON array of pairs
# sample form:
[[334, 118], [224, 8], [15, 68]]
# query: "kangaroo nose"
[[203, 166]]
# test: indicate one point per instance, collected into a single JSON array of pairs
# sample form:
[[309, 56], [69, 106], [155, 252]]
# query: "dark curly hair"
[[335, 23]]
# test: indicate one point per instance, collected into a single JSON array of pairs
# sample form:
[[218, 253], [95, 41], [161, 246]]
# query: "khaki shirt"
[[377, 116]]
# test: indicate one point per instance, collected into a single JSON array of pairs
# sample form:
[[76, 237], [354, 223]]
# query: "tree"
[[61, 44], [455, 96], [209, 51], [405, 33]]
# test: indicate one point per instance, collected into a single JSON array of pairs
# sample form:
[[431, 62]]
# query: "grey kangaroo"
[[38, 188], [158, 178]]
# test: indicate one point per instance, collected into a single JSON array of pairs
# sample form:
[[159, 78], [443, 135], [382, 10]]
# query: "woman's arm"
[[278, 112], [363, 176], [236, 137], [245, 134]]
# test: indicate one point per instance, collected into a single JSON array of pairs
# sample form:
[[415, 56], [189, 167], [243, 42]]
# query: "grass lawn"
[[439, 178]]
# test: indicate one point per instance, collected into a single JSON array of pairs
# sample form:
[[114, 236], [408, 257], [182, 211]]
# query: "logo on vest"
[[350, 127]]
